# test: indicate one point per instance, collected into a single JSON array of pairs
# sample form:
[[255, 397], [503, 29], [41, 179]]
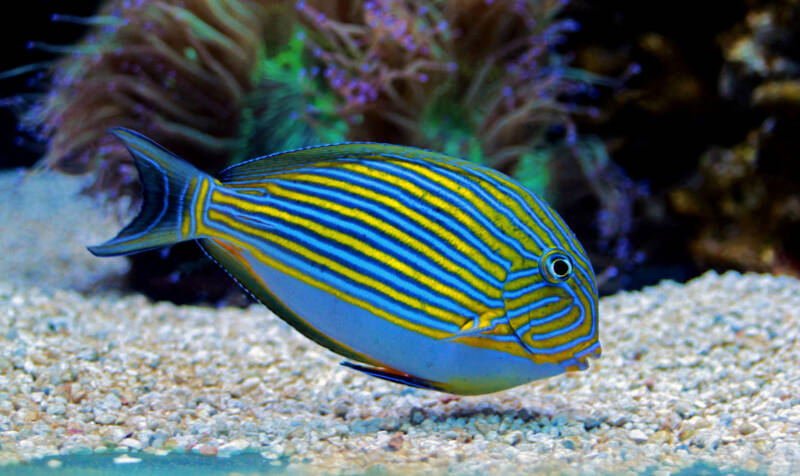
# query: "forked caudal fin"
[[166, 179]]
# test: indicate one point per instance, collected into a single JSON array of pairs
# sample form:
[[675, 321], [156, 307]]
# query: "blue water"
[[175, 464], [251, 464]]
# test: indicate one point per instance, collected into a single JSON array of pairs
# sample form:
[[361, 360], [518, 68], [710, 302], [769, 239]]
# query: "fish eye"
[[556, 266]]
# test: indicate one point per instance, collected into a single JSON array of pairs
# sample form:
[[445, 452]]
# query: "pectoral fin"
[[397, 377]]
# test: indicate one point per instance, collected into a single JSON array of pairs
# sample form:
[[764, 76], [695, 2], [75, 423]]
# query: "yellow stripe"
[[463, 248], [509, 347], [537, 295], [186, 223], [513, 207], [521, 283], [436, 202], [557, 340], [347, 240], [541, 313], [537, 209], [336, 267], [199, 207], [502, 222], [565, 321]]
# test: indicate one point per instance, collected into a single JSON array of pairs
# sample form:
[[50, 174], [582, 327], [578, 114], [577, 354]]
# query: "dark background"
[[26, 21]]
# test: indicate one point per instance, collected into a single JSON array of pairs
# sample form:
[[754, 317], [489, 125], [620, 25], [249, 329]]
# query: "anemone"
[[179, 72], [475, 78]]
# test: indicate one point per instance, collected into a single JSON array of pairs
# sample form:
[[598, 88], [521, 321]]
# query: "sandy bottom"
[[703, 372]]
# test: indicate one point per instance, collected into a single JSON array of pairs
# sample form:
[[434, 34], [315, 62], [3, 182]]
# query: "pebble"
[[234, 447], [105, 418], [395, 442], [250, 384], [57, 407], [638, 436], [747, 428], [125, 459], [207, 450], [705, 369], [131, 443]]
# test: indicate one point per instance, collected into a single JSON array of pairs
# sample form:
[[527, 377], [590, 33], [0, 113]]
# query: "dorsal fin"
[[323, 153]]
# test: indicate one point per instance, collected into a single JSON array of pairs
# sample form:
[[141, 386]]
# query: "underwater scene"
[[400, 237]]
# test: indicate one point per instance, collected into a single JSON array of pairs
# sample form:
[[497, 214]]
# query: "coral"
[[743, 201], [429, 74], [707, 125], [216, 81], [746, 205], [176, 71]]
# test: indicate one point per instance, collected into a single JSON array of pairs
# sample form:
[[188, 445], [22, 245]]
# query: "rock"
[[250, 384], [513, 438], [125, 459], [234, 447], [637, 435], [747, 428], [618, 419], [105, 418], [483, 427], [395, 442], [417, 415], [341, 409], [109, 402], [591, 423], [57, 406], [207, 450], [151, 359], [131, 443]]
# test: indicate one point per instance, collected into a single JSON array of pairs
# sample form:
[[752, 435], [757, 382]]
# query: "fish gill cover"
[[218, 82]]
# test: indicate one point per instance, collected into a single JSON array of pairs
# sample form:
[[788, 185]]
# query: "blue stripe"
[[513, 313], [366, 293], [372, 237], [179, 215], [592, 348], [192, 206], [569, 345], [386, 188], [452, 197], [352, 259], [522, 330], [525, 290], [380, 211]]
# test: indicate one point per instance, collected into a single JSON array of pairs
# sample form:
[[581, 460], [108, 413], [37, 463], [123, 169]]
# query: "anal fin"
[[395, 376]]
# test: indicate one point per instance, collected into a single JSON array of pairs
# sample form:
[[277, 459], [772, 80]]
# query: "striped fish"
[[418, 267]]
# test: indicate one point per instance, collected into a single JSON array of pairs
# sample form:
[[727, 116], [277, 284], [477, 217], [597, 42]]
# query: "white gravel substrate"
[[707, 371]]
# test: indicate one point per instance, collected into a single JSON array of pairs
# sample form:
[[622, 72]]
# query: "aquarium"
[[400, 237]]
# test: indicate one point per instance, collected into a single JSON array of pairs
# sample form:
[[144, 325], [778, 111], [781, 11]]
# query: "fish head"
[[553, 308]]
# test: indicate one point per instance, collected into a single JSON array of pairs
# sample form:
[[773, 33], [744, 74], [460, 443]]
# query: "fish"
[[418, 267]]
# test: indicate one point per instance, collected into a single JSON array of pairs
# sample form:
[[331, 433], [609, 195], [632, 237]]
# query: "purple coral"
[[391, 62]]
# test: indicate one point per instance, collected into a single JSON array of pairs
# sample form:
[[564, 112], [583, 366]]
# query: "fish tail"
[[168, 185]]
